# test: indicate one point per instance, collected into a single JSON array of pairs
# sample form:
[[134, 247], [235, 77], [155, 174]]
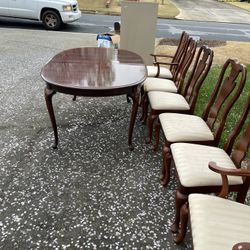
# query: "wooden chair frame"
[[179, 64], [237, 156], [226, 90], [180, 76], [176, 58], [223, 192], [201, 67], [241, 246]]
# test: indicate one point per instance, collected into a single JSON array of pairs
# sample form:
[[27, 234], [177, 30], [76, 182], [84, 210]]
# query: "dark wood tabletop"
[[92, 71]]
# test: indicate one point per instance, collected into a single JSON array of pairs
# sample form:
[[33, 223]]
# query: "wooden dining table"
[[96, 72]]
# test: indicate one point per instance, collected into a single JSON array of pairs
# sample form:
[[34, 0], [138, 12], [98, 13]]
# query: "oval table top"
[[94, 71]]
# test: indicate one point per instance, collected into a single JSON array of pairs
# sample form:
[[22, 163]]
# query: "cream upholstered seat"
[[164, 72], [203, 169], [167, 101], [191, 161], [159, 84], [184, 128], [218, 223]]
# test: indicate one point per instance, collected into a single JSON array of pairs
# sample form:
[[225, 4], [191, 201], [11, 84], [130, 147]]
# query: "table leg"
[[128, 100], [48, 93], [135, 98]]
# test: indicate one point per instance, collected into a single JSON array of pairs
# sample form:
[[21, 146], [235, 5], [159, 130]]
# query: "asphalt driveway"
[[210, 10], [90, 193]]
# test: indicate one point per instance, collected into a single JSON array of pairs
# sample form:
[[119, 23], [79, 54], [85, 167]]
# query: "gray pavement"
[[210, 10], [90, 193]]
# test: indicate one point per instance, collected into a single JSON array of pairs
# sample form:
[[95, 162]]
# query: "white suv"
[[51, 12]]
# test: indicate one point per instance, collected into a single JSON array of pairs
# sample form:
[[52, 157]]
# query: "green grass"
[[235, 112]]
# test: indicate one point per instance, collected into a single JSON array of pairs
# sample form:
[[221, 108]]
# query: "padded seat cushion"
[[191, 161], [168, 101], [164, 72], [218, 223], [159, 84], [184, 128]]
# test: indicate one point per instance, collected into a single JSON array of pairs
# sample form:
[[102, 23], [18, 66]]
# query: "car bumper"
[[69, 17]]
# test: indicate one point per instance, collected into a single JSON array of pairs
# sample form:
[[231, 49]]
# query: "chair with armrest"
[[157, 71], [218, 223], [191, 161], [175, 85]]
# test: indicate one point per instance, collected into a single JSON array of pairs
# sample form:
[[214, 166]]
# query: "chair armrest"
[[166, 63], [157, 64], [159, 55], [224, 172], [241, 246], [229, 171]]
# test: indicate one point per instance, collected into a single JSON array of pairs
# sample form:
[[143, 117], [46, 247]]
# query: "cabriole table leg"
[[135, 98], [48, 94]]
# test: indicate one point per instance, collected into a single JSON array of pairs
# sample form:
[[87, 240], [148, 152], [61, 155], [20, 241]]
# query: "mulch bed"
[[210, 43]]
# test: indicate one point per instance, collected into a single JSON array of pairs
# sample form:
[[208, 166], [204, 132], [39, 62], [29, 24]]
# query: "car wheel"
[[51, 20]]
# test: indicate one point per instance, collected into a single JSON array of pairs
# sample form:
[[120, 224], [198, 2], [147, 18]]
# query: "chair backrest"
[[228, 88], [182, 46], [237, 128], [241, 147], [198, 74], [185, 64]]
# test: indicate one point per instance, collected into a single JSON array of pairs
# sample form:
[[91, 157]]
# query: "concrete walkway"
[[211, 10]]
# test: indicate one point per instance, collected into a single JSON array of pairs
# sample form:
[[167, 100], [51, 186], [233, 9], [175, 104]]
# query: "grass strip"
[[166, 10]]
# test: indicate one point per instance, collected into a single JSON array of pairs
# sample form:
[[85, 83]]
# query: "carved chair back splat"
[[199, 72], [185, 64], [227, 89], [182, 46], [174, 64]]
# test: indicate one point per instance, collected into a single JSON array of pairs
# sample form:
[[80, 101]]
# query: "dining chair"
[[161, 102], [218, 223], [154, 84], [207, 129], [191, 161], [157, 71]]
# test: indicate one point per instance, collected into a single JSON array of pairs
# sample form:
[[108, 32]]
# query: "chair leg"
[[142, 106], [127, 97], [183, 225], [151, 120], [167, 157], [241, 195], [141, 95], [145, 104], [180, 200], [157, 134]]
